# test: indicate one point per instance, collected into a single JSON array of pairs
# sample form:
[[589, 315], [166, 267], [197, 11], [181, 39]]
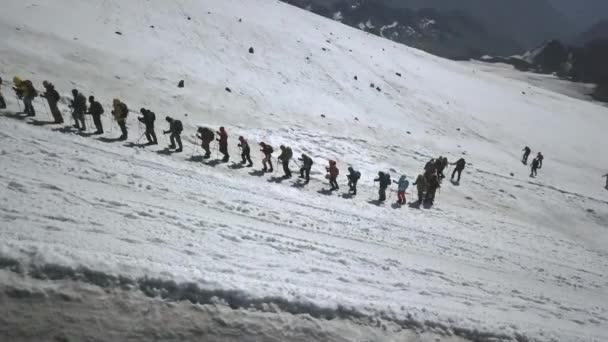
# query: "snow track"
[[502, 254]]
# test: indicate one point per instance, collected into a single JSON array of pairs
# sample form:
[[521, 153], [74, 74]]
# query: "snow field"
[[505, 254]]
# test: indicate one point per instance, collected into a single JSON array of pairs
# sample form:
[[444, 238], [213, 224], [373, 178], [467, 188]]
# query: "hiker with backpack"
[[223, 144], [606, 176], [460, 164], [534, 169], [120, 112], [79, 107], [96, 110], [524, 158], [353, 177], [420, 184], [25, 91], [175, 128], [267, 150], [332, 175], [432, 185], [306, 166], [2, 102], [206, 135], [245, 151], [285, 157], [52, 97], [385, 181], [402, 186], [540, 158], [148, 118]]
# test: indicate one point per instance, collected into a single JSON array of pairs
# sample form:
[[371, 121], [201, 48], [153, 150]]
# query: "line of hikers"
[[537, 163], [426, 183]]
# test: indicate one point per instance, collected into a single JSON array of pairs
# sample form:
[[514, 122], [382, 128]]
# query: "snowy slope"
[[501, 254]]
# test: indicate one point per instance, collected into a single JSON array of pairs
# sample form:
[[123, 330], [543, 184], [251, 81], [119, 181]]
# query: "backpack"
[[178, 126], [356, 175], [288, 153], [269, 149], [387, 179]]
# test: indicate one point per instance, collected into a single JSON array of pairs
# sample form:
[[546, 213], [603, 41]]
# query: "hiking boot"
[[249, 165], [178, 150], [171, 146]]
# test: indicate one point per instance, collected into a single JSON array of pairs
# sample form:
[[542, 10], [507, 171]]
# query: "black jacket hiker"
[[148, 118], [96, 110], [175, 128], [306, 166]]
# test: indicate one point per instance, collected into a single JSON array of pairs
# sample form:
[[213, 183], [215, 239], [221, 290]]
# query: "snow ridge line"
[[170, 290]]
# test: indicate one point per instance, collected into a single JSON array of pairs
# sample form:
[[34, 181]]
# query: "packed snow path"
[[503, 254]]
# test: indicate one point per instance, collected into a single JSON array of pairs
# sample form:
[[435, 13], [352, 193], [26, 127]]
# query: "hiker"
[[245, 151], [52, 97], [420, 184], [306, 166], [606, 176], [25, 91], [432, 186], [95, 109], [353, 177], [524, 158], [460, 164], [267, 161], [535, 164], [148, 118], [385, 181], [175, 128], [540, 158], [332, 175], [285, 157], [79, 107], [442, 164], [402, 185], [223, 142], [120, 112], [2, 102], [206, 136]]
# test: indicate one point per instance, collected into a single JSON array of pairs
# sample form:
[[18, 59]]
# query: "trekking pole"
[[193, 147], [18, 102], [141, 136], [46, 109]]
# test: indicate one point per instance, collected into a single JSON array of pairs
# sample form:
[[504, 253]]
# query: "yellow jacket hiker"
[[120, 112], [25, 90]]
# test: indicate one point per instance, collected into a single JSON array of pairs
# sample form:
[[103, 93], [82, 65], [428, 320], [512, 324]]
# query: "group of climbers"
[[537, 163], [426, 183]]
